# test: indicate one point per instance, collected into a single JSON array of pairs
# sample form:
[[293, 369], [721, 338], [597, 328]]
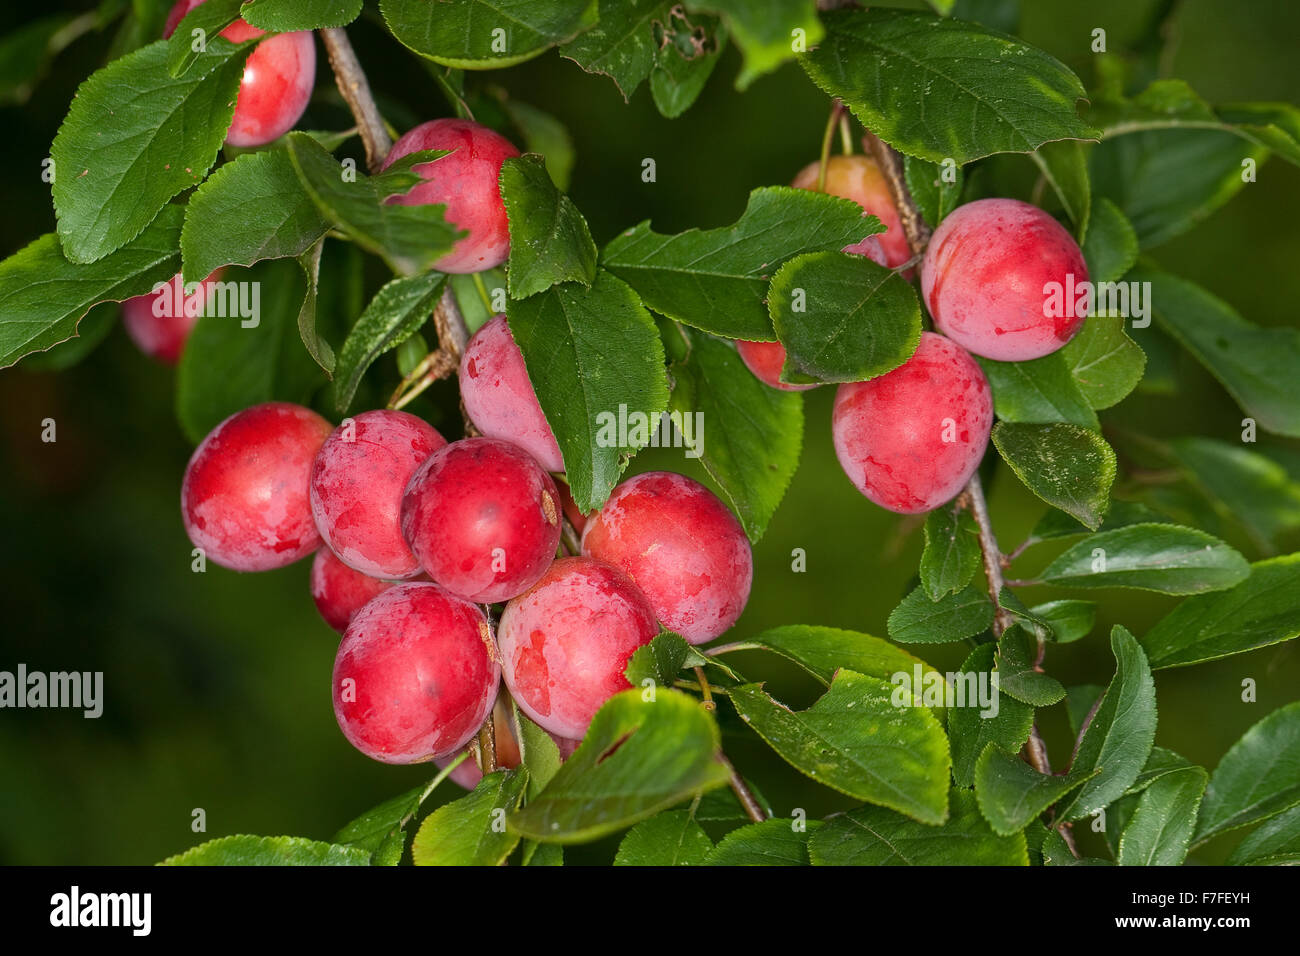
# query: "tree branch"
[[748, 801], [891, 166], [352, 83]]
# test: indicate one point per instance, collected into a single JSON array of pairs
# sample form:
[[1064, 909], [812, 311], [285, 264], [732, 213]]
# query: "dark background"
[[216, 685]]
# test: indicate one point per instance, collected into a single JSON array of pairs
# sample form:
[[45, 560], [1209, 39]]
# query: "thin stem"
[[846, 134], [481, 286], [569, 537], [354, 86], [891, 165], [487, 746], [442, 775], [683, 684], [707, 702], [738, 786], [729, 648], [432, 368], [974, 494], [831, 122]]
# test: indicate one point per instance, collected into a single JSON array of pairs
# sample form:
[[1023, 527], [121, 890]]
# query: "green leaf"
[[1161, 827], [269, 851], [1167, 558], [1118, 739], [1069, 467], [1111, 246], [765, 31], [1057, 853], [397, 312], [43, 296], [134, 137], [1065, 168], [1079, 702], [822, 651], [770, 843], [755, 432], [941, 89], [409, 238], [1104, 361], [659, 661], [485, 34], [972, 728], [622, 44], [954, 617], [542, 133], [317, 346], [1275, 843], [26, 53], [538, 753], [471, 831], [669, 839], [952, 555], [1242, 485], [1257, 778], [1160, 763], [685, 62], [854, 739], [721, 806], [871, 836], [1057, 524], [936, 189], [592, 353], [379, 829], [1069, 620], [1038, 392], [716, 279], [1258, 366], [1011, 793], [549, 240], [208, 19], [251, 209], [638, 758], [284, 16], [1018, 674], [1262, 610], [842, 318]]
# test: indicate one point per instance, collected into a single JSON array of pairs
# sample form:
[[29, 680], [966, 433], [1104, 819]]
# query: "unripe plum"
[[245, 498], [483, 519], [910, 439], [857, 177], [986, 274], [415, 675], [499, 397], [160, 323], [339, 591], [357, 483], [465, 181], [681, 545], [565, 642], [278, 78]]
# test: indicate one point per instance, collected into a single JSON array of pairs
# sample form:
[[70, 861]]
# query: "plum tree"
[[499, 398], [910, 439], [415, 675], [465, 181], [986, 274], [339, 591], [357, 483], [160, 323], [244, 497], [278, 79], [857, 177], [681, 545], [483, 519], [565, 642]]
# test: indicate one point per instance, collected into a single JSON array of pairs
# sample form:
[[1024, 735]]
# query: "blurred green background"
[[217, 685]]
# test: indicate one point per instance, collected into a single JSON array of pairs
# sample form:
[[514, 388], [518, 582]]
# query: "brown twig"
[[752, 807], [354, 86], [891, 166]]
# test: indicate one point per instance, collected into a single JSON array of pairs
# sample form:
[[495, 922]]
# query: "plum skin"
[[466, 182], [983, 279], [415, 675], [499, 396], [889, 432], [681, 545], [277, 83], [357, 483], [483, 519], [566, 641], [467, 773], [339, 591], [159, 331], [244, 498]]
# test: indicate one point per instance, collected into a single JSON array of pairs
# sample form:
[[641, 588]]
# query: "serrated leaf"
[[43, 296], [207, 19], [872, 836], [971, 728], [755, 433], [855, 740], [1011, 793], [378, 828], [622, 43], [549, 240], [1167, 558], [317, 347], [538, 753], [1018, 673], [1275, 843], [764, 31], [1057, 524], [638, 758], [1105, 363], [684, 64], [669, 839], [1038, 391], [936, 189], [822, 651], [939, 89], [250, 209], [770, 843], [952, 556], [588, 352], [468, 831], [397, 312], [842, 318], [542, 133], [659, 661], [1065, 168], [1257, 778], [1068, 466], [1111, 246], [953, 617], [133, 138], [1069, 619], [1161, 827], [1118, 739], [485, 34], [269, 851], [716, 279], [284, 16]]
